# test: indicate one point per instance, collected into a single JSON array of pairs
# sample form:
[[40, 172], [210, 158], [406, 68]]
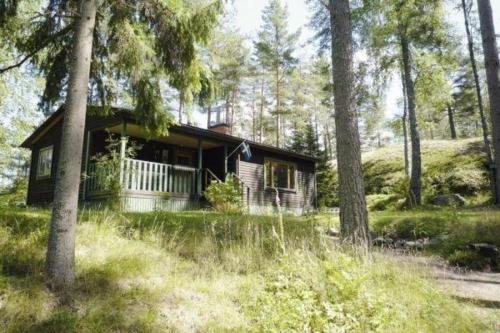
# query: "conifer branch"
[[40, 47]]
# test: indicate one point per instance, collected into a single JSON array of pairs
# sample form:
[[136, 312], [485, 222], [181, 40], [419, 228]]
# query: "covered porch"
[[168, 173]]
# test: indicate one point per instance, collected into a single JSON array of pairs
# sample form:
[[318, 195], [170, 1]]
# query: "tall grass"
[[208, 272]]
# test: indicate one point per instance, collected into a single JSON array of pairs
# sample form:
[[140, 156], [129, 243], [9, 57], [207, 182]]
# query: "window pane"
[[281, 175], [291, 173], [44, 162], [268, 172]]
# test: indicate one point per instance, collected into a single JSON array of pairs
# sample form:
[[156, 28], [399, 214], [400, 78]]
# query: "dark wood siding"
[[41, 191], [252, 174]]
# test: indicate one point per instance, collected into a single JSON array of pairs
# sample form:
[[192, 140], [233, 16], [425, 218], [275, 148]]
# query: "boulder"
[[381, 241], [448, 200], [485, 249], [416, 245]]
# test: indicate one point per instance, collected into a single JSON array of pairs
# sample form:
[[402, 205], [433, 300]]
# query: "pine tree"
[[353, 211], [274, 51], [492, 66]]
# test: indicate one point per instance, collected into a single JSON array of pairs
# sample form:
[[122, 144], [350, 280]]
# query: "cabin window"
[[44, 166], [164, 156], [280, 174]]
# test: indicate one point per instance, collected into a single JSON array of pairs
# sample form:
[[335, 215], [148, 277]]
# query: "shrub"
[[225, 196], [15, 195]]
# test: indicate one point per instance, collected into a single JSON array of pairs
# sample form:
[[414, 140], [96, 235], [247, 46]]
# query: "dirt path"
[[479, 291], [481, 287]]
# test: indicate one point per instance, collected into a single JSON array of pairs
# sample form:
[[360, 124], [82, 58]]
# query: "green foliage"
[[448, 167], [327, 184], [211, 272], [274, 47], [15, 194], [225, 196], [344, 293], [107, 167], [455, 228], [135, 46]]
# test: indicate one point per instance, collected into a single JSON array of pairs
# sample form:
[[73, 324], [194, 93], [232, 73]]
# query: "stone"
[[448, 200], [381, 241], [485, 249], [417, 245], [332, 232]]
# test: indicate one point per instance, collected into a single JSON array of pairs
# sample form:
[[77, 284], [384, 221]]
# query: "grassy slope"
[[206, 272], [449, 166]]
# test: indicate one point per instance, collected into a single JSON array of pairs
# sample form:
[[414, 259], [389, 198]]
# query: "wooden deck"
[[146, 186]]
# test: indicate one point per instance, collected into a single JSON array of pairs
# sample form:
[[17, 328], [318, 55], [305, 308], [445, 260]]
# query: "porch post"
[[200, 166], [225, 162], [123, 149]]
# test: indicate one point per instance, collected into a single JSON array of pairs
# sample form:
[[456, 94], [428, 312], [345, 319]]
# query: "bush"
[[16, 194], [225, 196]]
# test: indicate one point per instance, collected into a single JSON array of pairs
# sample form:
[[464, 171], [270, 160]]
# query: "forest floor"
[[480, 291], [209, 272]]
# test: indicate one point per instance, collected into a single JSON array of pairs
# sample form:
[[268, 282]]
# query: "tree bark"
[[405, 126], [491, 64], [415, 195], [209, 116], [484, 122], [451, 120], [254, 127], [61, 244], [278, 118], [181, 104], [261, 114], [329, 140], [353, 212]]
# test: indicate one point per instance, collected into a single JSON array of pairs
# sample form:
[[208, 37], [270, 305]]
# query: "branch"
[[48, 40]]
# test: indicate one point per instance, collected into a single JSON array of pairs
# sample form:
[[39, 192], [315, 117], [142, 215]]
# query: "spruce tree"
[[139, 42]]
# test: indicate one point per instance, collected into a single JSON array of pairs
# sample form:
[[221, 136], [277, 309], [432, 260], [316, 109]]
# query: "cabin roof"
[[128, 115]]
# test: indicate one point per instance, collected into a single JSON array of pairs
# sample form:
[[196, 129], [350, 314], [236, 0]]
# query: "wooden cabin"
[[171, 172]]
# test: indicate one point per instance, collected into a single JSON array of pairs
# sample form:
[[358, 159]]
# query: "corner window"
[[280, 174], [44, 166]]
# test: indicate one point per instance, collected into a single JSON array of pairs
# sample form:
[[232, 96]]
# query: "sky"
[[248, 20]]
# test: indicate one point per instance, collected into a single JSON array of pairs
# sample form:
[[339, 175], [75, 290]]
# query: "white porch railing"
[[138, 175]]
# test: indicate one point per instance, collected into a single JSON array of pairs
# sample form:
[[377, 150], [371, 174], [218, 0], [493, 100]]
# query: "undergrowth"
[[454, 230], [209, 272]]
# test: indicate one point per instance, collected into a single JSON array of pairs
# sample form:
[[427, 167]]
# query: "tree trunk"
[[329, 138], [484, 122], [61, 244], [405, 126], [261, 114], [254, 127], [231, 122], [278, 120], [491, 64], [451, 120], [209, 115], [353, 212], [181, 104], [415, 195]]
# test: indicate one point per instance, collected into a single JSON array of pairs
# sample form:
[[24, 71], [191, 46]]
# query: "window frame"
[[48, 173], [288, 164]]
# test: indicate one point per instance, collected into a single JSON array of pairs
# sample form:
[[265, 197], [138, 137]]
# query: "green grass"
[[207, 272], [448, 166], [455, 227]]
